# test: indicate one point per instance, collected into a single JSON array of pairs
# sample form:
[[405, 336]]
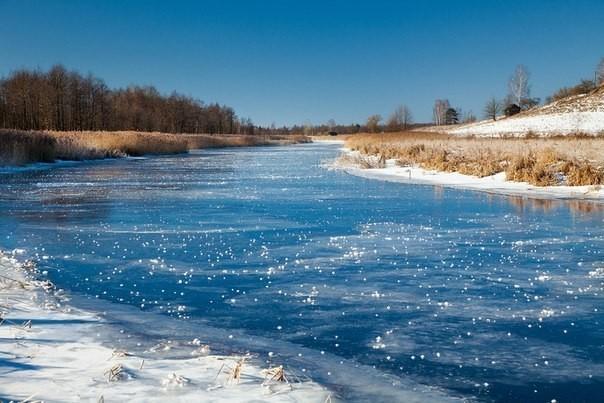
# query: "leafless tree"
[[65, 100], [440, 111], [492, 108], [519, 86], [373, 123], [400, 119]]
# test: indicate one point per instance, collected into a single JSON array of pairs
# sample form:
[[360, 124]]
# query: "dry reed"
[[94, 145], [570, 160], [197, 141], [24, 147], [275, 374], [115, 373]]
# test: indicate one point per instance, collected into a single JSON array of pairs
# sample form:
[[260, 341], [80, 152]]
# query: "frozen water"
[[382, 291]]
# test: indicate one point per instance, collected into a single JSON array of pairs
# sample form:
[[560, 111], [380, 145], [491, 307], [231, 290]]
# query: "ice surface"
[[54, 353], [380, 291]]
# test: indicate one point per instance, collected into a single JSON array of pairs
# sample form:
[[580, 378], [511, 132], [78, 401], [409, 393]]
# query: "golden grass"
[[94, 145], [331, 138], [196, 141], [23, 147], [570, 160]]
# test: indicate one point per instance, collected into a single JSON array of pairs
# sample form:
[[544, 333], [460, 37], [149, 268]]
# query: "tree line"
[[518, 99], [64, 100]]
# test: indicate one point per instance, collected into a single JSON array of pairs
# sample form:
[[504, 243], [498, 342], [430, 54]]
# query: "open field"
[[563, 160], [19, 147]]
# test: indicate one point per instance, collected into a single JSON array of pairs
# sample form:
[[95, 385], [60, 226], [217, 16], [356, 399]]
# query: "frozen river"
[[381, 291]]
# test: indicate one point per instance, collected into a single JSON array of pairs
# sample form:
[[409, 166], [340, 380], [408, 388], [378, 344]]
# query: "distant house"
[[332, 133]]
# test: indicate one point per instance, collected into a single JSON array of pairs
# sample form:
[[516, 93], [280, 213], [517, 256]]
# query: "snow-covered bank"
[[542, 124], [582, 114], [51, 352], [324, 140], [491, 184]]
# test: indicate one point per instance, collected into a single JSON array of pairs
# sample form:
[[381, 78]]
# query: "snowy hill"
[[576, 114]]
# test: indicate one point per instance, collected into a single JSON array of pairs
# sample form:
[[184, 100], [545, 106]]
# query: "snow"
[[590, 122], [582, 113], [327, 141], [51, 352], [492, 184]]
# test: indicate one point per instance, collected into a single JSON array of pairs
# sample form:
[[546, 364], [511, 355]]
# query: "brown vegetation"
[[23, 147], [64, 100], [94, 145], [570, 160], [195, 141], [584, 87], [20, 147]]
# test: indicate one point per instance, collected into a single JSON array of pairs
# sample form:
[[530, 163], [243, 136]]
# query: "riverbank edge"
[[19, 148], [494, 184], [55, 352]]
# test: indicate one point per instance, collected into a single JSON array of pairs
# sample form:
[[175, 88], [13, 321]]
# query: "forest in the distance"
[[63, 100]]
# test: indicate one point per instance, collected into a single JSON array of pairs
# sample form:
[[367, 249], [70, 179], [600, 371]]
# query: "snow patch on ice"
[[53, 353]]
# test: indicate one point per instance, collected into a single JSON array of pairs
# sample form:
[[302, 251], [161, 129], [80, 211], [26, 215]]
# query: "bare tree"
[[65, 100], [373, 123], [400, 119], [519, 86], [440, 111], [600, 72], [492, 108]]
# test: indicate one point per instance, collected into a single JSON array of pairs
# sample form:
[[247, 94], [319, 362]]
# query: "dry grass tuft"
[[275, 374], [570, 160], [361, 161], [235, 373], [115, 373], [583, 174]]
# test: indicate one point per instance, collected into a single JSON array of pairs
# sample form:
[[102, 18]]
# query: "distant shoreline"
[[22, 148]]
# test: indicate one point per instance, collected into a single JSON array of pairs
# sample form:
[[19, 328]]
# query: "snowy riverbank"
[[561, 124], [52, 352], [491, 184]]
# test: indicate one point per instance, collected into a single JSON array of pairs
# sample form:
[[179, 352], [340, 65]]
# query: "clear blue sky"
[[295, 61]]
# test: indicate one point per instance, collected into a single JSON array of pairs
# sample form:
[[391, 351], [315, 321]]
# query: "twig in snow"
[[276, 374], [114, 373]]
